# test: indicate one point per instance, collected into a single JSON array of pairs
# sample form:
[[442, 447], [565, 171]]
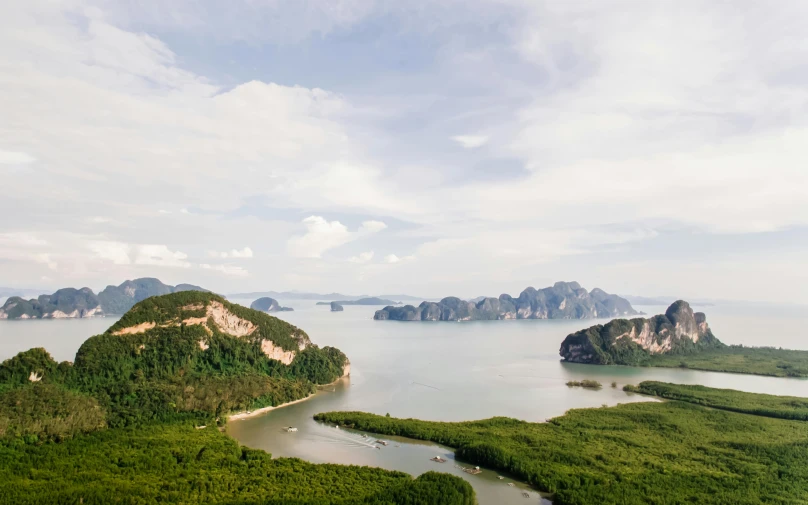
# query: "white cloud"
[[471, 141], [322, 235], [116, 252], [372, 226], [233, 253], [391, 258], [15, 158], [161, 256], [232, 270], [362, 257]]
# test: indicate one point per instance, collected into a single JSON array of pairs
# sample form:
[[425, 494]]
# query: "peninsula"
[[564, 300], [680, 338]]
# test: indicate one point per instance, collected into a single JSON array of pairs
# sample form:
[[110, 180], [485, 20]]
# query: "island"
[[336, 307], [79, 303], [267, 304], [564, 300], [699, 445], [140, 412], [362, 301], [680, 338]]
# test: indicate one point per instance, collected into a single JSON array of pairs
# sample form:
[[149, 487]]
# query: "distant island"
[[680, 338], [362, 301], [297, 295], [78, 303], [267, 304], [336, 307], [564, 300]]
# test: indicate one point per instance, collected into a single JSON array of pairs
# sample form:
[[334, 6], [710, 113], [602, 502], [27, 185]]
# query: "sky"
[[433, 148]]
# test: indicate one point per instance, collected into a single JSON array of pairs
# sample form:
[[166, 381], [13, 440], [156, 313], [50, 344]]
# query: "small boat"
[[291, 429], [437, 459], [500, 477], [525, 494], [383, 442], [510, 484], [473, 471]]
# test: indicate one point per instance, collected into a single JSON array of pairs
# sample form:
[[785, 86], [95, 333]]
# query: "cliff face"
[[564, 300], [628, 342], [336, 307], [267, 304], [77, 303]]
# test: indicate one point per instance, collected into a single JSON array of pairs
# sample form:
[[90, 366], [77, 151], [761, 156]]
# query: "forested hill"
[[563, 300], [77, 303], [184, 354], [134, 419]]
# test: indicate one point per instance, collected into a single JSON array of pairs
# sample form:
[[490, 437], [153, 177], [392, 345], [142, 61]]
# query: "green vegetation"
[[586, 383], [179, 464], [781, 407], [739, 359], [118, 425], [639, 453]]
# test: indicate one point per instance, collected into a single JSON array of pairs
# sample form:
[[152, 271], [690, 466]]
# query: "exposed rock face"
[[564, 300], [78, 303], [336, 307], [628, 342], [216, 315], [267, 304]]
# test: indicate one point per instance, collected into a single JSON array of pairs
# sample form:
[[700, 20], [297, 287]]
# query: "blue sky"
[[435, 148]]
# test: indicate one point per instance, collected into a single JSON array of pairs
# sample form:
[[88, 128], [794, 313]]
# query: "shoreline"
[[244, 415]]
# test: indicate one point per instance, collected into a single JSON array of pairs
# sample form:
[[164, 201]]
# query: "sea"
[[450, 371]]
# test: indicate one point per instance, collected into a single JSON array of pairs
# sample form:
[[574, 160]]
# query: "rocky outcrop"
[[78, 303], [374, 300], [336, 307], [267, 304], [564, 300], [630, 341]]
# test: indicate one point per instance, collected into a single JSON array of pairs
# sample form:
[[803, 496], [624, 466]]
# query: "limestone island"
[[632, 341], [267, 304], [564, 300], [336, 307], [79, 303]]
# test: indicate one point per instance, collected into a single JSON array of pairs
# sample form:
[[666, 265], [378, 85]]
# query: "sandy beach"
[[258, 412]]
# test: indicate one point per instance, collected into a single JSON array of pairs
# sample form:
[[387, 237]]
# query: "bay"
[[448, 372]]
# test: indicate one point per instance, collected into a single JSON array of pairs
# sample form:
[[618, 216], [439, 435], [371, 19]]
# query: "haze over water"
[[451, 372]]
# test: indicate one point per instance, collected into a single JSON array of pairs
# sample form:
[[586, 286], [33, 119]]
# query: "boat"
[[473, 471], [500, 477], [291, 429], [383, 442], [437, 459], [525, 494]]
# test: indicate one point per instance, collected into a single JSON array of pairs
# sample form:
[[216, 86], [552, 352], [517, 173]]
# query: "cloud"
[[231, 270], [362, 257], [161, 256], [471, 141], [233, 253], [15, 158], [372, 227], [392, 258], [116, 252], [322, 235]]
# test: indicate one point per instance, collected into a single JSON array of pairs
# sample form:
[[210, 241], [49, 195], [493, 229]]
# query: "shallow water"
[[448, 372]]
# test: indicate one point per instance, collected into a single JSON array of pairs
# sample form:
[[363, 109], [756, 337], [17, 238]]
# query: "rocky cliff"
[[564, 300], [267, 304], [336, 307], [630, 341], [76, 303]]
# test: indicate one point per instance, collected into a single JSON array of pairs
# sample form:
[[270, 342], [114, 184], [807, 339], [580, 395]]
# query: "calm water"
[[449, 372]]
